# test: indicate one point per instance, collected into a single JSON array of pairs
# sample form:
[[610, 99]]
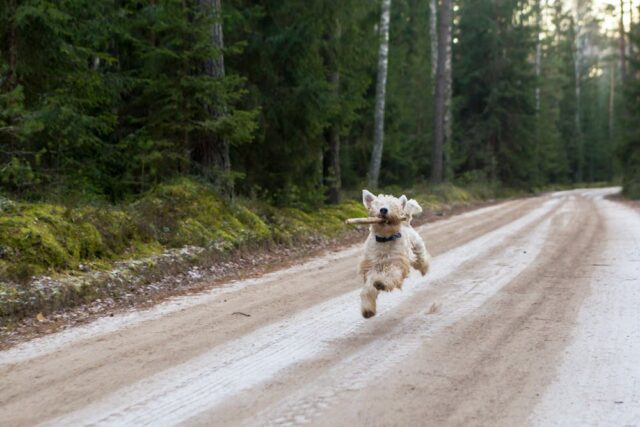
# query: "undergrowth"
[[39, 238]]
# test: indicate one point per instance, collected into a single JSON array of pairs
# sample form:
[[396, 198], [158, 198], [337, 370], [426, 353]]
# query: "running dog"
[[391, 249]]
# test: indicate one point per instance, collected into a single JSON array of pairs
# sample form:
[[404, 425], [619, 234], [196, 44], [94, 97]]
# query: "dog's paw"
[[424, 269], [421, 266], [368, 313]]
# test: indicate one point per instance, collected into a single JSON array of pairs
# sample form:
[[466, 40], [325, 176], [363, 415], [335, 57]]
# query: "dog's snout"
[[384, 211]]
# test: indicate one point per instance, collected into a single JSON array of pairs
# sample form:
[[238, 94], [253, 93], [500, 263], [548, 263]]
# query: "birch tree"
[[538, 52], [381, 85]]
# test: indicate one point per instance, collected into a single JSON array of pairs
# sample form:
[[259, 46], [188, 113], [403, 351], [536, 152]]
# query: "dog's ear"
[[403, 200], [413, 208], [367, 198]]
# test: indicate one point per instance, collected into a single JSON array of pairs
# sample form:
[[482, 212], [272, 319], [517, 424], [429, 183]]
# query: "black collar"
[[391, 238]]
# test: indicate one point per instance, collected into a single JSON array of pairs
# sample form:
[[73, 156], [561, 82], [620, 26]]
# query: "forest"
[[292, 102]]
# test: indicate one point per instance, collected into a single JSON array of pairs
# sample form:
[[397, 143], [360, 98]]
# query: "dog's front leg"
[[368, 297], [422, 256]]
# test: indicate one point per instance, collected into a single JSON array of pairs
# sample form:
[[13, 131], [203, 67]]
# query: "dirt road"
[[530, 316]]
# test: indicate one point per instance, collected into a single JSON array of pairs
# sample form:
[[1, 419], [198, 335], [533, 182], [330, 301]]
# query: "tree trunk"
[[433, 35], [612, 91], [448, 116], [331, 159], [381, 87], [631, 45], [577, 75], [215, 66], [538, 53], [12, 78], [439, 113], [332, 175], [537, 65], [623, 49], [212, 151]]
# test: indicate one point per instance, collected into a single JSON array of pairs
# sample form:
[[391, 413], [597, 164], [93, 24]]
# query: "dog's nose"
[[384, 211]]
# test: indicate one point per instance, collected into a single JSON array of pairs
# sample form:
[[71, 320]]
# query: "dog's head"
[[389, 208]]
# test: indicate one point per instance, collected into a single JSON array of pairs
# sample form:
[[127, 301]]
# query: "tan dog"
[[392, 247]]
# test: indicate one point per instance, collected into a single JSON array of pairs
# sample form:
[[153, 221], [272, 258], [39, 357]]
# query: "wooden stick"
[[370, 220], [356, 221]]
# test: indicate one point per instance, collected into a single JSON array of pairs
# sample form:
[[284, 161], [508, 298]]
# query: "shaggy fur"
[[385, 265]]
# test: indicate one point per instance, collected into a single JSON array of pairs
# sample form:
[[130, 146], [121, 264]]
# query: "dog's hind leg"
[[390, 276], [368, 297]]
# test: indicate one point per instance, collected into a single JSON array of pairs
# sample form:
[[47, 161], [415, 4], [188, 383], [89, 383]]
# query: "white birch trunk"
[[381, 87]]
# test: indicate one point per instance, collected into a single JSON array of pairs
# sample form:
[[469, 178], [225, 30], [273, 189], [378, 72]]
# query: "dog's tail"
[[411, 209]]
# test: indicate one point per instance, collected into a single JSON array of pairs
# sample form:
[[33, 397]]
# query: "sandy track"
[[530, 315]]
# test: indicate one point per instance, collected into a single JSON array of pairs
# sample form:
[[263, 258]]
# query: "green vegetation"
[[106, 100], [39, 237]]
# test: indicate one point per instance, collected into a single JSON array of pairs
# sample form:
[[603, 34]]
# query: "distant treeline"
[[274, 99]]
